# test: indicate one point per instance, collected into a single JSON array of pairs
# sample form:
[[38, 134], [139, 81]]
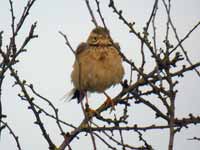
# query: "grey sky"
[[48, 64]]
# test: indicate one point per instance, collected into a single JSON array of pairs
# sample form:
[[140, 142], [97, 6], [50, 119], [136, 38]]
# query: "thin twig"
[[54, 117], [16, 138], [29, 99], [91, 13], [141, 138], [67, 42], [178, 123], [113, 44], [131, 28], [122, 140], [172, 92], [50, 104], [24, 15], [100, 14], [105, 142], [152, 17], [185, 37], [182, 40], [195, 138], [12, 39]]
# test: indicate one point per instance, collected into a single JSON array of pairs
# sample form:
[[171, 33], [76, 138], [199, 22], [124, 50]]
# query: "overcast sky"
[[48, 64]]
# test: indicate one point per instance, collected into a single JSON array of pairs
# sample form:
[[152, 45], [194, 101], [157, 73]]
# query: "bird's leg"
[[86, 97], [109, 101], [88, 110]]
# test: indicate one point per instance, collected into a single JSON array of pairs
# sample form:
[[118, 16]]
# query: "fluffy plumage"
[[98, 64]]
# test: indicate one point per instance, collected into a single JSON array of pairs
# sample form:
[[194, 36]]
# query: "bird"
[[97, 66]]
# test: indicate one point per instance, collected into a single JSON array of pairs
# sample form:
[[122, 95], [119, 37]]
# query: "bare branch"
[[178, 39], [29, 99], [195, 138], [111, 130], [131, 28], [24, 15], [91, 13], [67, 42], [16, 138], [51, 105], [100, 14]]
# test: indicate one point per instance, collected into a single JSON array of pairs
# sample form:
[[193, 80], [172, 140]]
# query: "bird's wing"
[[74, 93], [117, 46], [81, 47]]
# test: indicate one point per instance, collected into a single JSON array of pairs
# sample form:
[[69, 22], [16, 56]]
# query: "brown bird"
[[97, 66]]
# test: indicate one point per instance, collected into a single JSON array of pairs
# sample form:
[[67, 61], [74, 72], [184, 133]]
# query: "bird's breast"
[[97, 68]]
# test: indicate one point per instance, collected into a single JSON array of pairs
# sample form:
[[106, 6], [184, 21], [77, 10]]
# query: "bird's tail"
[[74, 94], [68, 96]]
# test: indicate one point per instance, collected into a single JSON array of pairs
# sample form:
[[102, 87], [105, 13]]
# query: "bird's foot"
[[89, 112], [110, 102]]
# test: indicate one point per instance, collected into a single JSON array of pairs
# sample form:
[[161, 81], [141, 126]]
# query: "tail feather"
[[68, 96], [74, 94]]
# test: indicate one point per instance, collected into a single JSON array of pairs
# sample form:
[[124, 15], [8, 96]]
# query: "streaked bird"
[[97, 66]]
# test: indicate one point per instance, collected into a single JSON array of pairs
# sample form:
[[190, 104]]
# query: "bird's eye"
[[94, 38]]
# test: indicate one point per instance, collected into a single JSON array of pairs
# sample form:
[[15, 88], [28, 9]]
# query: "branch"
[[12, 39], [16, 29], [186, 121], [29, 99], [105, 141], [29, 37], [132, 30], [24, 15], [103, 107], [91, 13], [100, 14], [16, 138], [178, 123], [195, 138], [145, 32], [67, 42], [51, 105], [110, 137], [178, 39], [54, 117]]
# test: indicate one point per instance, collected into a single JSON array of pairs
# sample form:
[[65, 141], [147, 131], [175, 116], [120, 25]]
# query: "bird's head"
[[99, 36]]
